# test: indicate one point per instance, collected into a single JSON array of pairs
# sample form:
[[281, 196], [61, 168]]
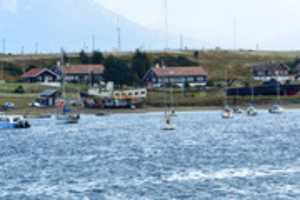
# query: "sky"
[[263, 24]]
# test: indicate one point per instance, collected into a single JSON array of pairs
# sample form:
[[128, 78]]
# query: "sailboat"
[[251, 110], [227, 111], [64, 113], [173, 111], [168, 125], [237, 109], [169, 113], [276, 108]]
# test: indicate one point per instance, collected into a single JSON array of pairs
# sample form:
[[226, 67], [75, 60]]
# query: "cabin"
[[84, 73], [40, 75], [268, 71], [48, 98], [179, 76]]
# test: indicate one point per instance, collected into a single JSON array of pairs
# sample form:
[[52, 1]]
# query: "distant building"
[[84, 73], [40, 75], [161, 76], [271, 71], [48, 97]]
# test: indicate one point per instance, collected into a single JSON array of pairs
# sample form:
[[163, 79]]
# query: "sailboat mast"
[[252, 86], [62, 74], [226, 87]]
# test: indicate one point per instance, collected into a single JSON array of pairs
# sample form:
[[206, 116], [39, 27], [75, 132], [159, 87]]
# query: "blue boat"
[[13, 122]]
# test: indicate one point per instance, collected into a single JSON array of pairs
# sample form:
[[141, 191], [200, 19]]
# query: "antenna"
[[36, 46], [3, 45], [119, 40], [166, 24], [93, 43], [234, 34], [181, 42]]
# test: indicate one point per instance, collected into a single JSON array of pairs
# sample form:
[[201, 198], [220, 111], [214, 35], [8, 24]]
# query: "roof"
[[36, 72], [47, 93], [270, 66], [179, 71], [84, 69]]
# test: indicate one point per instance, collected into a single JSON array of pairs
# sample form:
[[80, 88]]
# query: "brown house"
[[40, 75], [161, 76], [84, 73]]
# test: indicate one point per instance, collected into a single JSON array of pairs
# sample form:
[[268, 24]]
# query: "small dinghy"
[[276, 109], [13, 122]]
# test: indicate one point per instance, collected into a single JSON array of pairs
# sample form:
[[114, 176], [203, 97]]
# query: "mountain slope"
[[70, 24]]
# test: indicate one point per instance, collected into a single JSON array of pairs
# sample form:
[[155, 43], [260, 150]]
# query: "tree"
[[66, 57], [140, 64], [97, 57], [84, 58], [117, 71]]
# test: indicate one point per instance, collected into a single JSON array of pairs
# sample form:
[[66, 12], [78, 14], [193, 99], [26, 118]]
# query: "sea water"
[[128, 156]]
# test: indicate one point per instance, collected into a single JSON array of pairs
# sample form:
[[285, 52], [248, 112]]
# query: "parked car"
[[8, 105]]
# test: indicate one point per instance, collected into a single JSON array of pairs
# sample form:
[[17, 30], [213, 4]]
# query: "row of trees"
[[130, 70]]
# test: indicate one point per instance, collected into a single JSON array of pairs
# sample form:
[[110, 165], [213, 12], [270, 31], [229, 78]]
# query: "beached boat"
[[13, 122]]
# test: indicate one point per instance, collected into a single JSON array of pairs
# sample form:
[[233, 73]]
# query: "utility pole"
[[234, 34]]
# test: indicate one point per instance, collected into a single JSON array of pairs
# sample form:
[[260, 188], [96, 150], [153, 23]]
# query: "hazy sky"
[[272, 24]]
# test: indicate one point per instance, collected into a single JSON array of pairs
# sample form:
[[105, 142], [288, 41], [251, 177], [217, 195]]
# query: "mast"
[[226, 87], [62, 74], [166, 24], [252, 87]]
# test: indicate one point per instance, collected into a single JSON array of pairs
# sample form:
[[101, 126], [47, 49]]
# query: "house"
[[271, 71], [161, 76], [296, 72], [84, 73], [40, 75], [47, 98]]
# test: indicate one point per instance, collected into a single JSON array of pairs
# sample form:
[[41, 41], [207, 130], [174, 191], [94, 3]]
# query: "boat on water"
[[168, 125], [13, 122], [251, 111], [64, 113], [238, 110], [276, 109], [227, 113]]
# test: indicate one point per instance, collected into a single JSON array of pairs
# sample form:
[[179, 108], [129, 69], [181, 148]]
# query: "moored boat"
[[13, 122]]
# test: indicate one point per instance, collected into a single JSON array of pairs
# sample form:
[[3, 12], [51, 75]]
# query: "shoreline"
[[35, 112]]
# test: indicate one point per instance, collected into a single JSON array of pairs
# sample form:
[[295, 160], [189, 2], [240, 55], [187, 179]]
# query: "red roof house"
[[40, 75], [84, 73]]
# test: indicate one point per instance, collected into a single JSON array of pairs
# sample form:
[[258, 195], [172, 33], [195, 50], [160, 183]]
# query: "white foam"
[[194, 175]]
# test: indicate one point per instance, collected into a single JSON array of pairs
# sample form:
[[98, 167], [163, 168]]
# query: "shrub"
[[19, 90]]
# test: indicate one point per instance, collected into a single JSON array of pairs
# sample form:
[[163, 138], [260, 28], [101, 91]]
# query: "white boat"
[[227, 113], [276, 109], [251, 111], [168, 126], [64, 114], [13, 122], [71, 118], [238, 110]]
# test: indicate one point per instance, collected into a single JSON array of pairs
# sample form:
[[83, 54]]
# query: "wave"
[[199, 175]]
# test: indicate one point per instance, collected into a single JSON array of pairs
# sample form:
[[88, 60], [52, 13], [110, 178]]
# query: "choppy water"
[[127, 156]]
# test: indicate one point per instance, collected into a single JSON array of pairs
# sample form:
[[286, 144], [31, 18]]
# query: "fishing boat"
[[13, 122], [168, 126], [64, 113]]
